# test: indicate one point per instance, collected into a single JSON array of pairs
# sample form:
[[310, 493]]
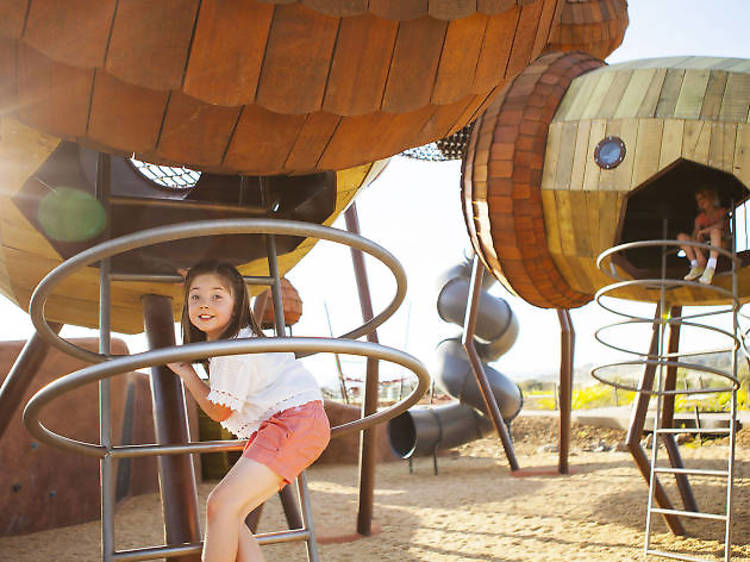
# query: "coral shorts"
[[290, 441]]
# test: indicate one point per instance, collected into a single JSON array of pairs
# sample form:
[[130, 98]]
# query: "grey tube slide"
[[424, 430]]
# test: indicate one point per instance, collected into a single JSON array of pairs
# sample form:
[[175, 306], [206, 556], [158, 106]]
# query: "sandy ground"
[[473, 510]]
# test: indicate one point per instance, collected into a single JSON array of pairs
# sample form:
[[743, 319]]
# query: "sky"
[[413, 210]]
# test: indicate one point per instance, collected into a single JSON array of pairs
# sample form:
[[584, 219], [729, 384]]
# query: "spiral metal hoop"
[[664, 359], [202, 350], [194, 230]]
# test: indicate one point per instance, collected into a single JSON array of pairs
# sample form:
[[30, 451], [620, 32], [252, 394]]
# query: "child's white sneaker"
[[694, 273], [707, 277]]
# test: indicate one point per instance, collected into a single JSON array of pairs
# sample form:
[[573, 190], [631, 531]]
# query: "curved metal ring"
[[206, 228], [688, 391], [598, 337], [612, 272], [201, 350]]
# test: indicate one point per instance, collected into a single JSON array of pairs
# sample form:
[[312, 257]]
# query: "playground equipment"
[[574, 157], [660, 379], [107, 367], [424, 430]]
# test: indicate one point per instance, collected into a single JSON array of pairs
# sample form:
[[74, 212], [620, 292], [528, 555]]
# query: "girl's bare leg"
[[715, 241], [247, 485], [691, 252], [249, 549]]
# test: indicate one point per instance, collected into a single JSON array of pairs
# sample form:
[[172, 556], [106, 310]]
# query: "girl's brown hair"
[[242, 315]]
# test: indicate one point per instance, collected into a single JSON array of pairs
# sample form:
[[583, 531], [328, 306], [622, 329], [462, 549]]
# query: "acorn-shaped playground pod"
[[262, 87], [596, 27], [575, 157]]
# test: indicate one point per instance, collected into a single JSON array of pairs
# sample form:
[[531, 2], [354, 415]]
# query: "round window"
[[609, 152]]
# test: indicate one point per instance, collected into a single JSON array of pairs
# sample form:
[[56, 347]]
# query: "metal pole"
[[367, 443], [176, 473], [21, 374], [467, 340], [567, 343], [106, 463], [286, 494]]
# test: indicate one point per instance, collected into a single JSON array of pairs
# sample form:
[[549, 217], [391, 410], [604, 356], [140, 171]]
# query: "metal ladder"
[[106, 366], [666, 360]]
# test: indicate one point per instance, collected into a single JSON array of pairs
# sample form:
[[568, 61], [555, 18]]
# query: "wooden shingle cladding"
[[502, 176], [254, 87], [593, 26], [26, 255]]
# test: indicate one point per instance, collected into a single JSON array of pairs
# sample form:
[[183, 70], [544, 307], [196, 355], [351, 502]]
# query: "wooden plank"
[[8, 88], [336, 8], [635, 92], [523, 43], [415, 61], [580, 224], [592, 217], [574, 90], [651, 97], [19, 234], [580, 154], [591, 174], [74, 33], [463, 43], [600, 82], [451, 9], [56, 96], [567, 152], [647, 150], [741, 164], [609, 216], [671, 141], [196, 133], [721, 145], [312, 140], [578, 103], [224, 64], [12, 17], [360, 65], [22, 151], [565, 222], [162, 39], [262, 140], [297, 60], [111, 100], [669, 93], [623, 173], [398, 9], [496, 45], [717, 82], [352, 141], [696, 140], [551, 155], [614, 94], [736, 103], [547, 19], [691, 96], [551, 221]]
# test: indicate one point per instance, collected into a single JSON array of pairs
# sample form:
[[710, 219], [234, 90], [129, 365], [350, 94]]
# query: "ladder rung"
[[693, 430], [696, 514], [699, 471], [676, 556]]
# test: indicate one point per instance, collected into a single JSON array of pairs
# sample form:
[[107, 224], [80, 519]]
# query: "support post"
[[176, 472], [367, 451], [667, 415], [467, 340], [565, 401], [638, 421], [20, 376]]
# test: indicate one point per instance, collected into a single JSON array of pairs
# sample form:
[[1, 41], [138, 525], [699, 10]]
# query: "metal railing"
[[106, 366]]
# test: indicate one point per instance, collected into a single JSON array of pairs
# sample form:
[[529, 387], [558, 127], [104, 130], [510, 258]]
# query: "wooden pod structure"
[[290, 300], [541, 209], [29, 249], [261, 87], [596, 27]]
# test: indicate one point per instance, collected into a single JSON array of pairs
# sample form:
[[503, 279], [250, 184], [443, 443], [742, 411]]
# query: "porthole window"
[[609, 152]]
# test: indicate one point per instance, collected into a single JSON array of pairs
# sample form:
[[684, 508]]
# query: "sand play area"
[[473, 510]]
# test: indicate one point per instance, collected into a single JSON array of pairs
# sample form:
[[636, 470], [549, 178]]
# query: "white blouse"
[[258, 385]]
